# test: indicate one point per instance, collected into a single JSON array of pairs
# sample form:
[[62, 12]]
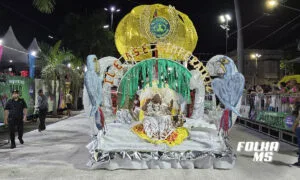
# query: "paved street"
[[60, 153]]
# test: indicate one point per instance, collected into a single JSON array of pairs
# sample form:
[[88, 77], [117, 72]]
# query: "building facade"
[[260, 70]]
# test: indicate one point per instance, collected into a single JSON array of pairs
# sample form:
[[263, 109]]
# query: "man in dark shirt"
[[43, 109], [15, 115]]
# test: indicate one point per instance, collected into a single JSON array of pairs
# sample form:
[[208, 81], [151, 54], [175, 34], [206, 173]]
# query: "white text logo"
[[263, 151]]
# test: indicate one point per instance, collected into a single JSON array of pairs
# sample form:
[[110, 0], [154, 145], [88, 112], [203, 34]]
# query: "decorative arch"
[[164, 70]]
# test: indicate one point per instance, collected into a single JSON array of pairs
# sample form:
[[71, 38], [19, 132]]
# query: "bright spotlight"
[[228, 17], [33, 53], [112, 9], [222, 19], [271, 4], [255, 55], [258, 55]]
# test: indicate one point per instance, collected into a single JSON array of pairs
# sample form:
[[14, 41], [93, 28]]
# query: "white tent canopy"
[[14, 54], [34, 46]]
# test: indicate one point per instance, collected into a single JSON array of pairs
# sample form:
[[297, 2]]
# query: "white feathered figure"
[[228, 86], [93, 90]]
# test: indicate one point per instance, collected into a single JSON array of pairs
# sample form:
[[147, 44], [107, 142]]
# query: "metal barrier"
[[279, 134], [271, 114], [272, 102], [275, 110]]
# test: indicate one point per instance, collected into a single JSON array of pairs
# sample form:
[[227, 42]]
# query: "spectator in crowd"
[[69, 100], [15, 114], [259, 98], [297, 99], [292, 91], [284, 100], [43, 109], [271, 99], [296, 130], [252, 94], [277, 99]]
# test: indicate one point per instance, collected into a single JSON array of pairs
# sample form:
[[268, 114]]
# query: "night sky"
[[27, 22]]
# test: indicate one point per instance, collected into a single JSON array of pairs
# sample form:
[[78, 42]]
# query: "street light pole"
[[224, 19], [111, 20], [112, 10], [256, 56], [227, 36]]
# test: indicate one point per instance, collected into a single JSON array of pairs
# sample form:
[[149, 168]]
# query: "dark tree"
[[85, 35]]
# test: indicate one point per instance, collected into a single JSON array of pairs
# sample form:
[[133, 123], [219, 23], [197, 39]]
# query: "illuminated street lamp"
[[1, 41], [69, 65], [106, 26], [112, 10], [255, 56], [272, 4], [33, 53], [224, 19]]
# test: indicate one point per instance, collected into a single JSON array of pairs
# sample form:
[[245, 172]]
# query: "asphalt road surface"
[[60, 153]]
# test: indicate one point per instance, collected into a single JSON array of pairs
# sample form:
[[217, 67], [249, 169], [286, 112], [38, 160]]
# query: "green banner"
[[274, 119], [25, 87]]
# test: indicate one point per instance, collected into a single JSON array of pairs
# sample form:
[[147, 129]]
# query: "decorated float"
[[155, 77]]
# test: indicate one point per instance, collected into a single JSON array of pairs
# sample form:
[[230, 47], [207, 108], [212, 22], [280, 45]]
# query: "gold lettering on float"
[[129, 56], [136, 52], [180, 52], [187, 56], [168, 49], [145, 51], [193, 61]]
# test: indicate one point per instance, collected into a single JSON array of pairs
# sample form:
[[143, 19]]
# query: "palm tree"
[[51, 60], [45, 6], [77, 77]]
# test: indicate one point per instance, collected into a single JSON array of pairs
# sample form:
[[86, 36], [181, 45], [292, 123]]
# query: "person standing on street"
[[69, 100], [15, 114], [296, 130], [43, 109]]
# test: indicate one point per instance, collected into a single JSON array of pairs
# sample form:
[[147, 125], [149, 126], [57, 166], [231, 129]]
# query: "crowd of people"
[[284, 97], [278, 98]]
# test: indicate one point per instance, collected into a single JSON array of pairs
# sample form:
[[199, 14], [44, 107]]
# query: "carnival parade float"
[[155, 77]]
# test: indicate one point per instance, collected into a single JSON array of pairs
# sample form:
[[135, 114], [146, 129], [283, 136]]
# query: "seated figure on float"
[[158, 121], [161, 121]]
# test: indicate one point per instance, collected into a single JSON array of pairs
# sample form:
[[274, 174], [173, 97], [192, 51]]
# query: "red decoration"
[[102, 119], [190, 107], [114, 98], [24, 73], [224, 124]]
